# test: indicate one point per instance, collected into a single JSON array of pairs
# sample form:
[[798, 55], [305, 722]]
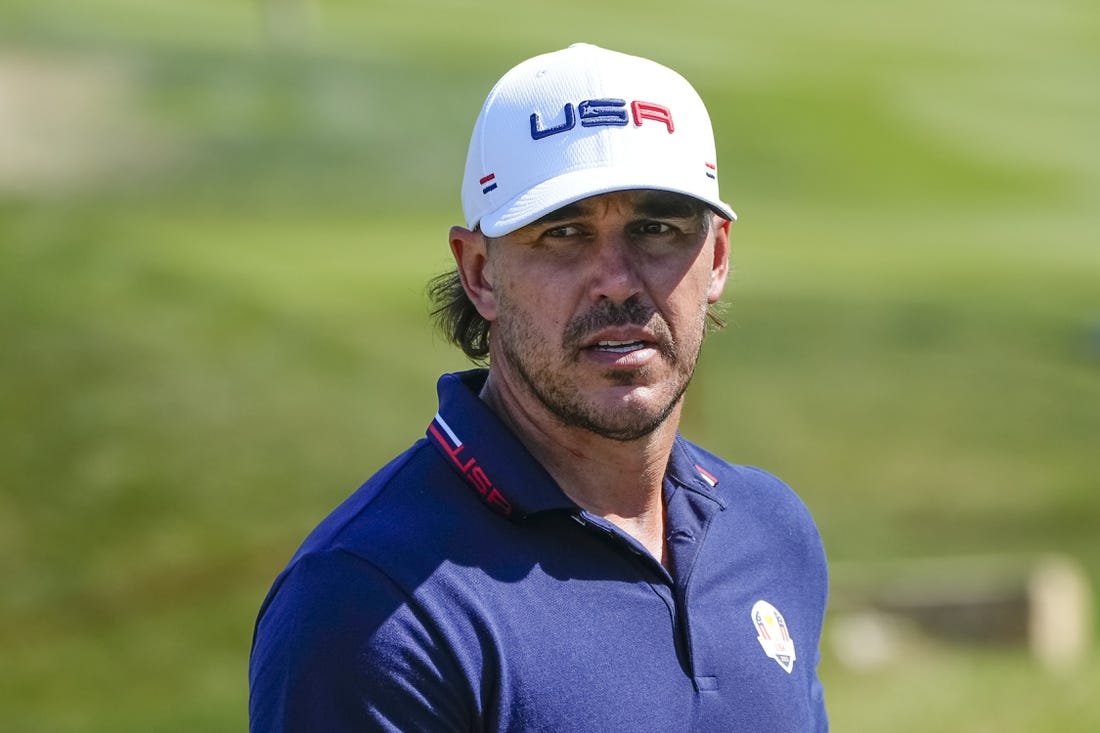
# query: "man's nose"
[[614, 273]]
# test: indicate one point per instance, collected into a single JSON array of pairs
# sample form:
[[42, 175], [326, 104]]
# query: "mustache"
[[630, 312]]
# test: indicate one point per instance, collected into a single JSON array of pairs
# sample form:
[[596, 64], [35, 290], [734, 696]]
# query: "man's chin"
[[620, 413], [631, 378]]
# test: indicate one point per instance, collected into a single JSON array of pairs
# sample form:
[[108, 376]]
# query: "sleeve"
[[338, 646]]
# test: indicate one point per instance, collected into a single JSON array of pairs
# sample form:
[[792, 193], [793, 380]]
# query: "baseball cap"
[[582, 121]]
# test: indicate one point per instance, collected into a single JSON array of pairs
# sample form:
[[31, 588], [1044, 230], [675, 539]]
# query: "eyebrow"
[[569, 211]]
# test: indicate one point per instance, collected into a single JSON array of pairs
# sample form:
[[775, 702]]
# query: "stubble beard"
[[534, 359]]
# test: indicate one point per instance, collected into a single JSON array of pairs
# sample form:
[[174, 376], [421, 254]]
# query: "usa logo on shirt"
[[773, 635]]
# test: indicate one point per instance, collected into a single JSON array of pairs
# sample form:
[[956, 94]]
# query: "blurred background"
[[217, 219]]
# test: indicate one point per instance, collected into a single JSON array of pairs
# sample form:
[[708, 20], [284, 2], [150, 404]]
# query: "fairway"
[[217, 220]]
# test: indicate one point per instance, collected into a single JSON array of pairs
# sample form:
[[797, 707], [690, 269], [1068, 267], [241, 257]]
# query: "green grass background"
[[217, 218]]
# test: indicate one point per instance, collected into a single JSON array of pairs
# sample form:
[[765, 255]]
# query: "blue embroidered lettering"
[[595, 112], [538, 132]]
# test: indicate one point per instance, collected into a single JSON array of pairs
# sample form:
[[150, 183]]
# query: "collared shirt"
[[460, 589]]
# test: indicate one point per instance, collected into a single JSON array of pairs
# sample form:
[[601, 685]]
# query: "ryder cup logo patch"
[[773, 635]]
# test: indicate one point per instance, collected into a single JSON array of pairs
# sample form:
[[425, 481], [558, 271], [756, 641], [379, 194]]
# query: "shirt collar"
[[688, 468], [487, 454], [500, 470]]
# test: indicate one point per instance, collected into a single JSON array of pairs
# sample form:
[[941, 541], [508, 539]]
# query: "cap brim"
[[548, 196]]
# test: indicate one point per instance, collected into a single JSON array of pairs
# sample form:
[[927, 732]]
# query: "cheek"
[[539, 294], [686, 302], [538, 313], [688, 286]]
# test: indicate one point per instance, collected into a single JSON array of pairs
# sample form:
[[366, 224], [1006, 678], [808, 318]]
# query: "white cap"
[[584, 121]]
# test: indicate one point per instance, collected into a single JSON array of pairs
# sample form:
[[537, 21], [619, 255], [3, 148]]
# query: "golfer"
[[553, 555]]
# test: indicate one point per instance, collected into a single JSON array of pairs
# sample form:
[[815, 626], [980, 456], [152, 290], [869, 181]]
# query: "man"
[[553, 556]]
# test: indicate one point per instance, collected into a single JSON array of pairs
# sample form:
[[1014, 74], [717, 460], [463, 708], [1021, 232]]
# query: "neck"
[[621, 481]]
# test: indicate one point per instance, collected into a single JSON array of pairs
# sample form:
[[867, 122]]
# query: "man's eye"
[[562, 232], [654, 227]]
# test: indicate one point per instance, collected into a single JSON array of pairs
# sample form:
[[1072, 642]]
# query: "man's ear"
[[472, 259], [720, 264]]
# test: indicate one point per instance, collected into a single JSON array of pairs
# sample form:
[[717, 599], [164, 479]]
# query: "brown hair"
[[457, 318]]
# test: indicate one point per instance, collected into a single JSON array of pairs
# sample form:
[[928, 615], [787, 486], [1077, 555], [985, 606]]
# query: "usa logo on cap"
[[580, 122], [773, 635]]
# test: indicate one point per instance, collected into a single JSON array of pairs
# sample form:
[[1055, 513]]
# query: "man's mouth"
[[619, 347]]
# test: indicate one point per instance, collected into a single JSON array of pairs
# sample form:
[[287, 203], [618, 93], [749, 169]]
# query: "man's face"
[[600, 307]]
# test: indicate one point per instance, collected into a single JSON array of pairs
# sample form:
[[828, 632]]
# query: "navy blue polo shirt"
[[460, 590]]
